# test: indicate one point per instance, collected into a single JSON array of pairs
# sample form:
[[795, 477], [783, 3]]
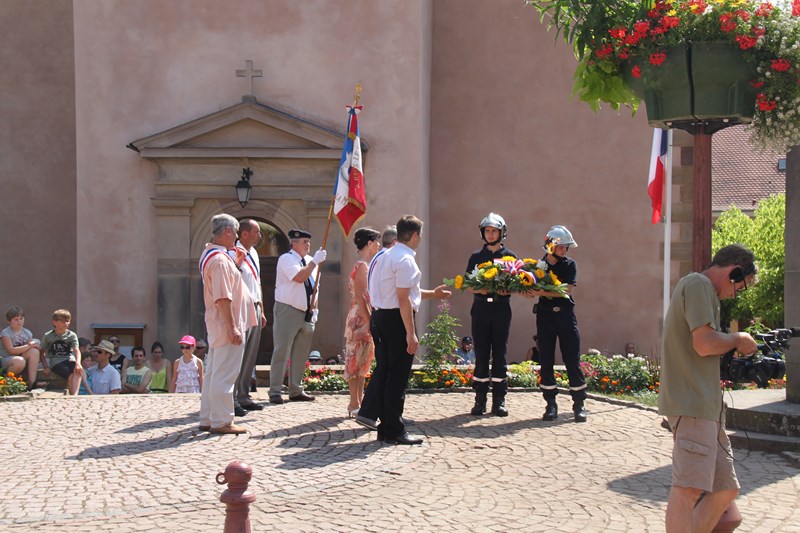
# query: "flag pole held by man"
[[349, 202]]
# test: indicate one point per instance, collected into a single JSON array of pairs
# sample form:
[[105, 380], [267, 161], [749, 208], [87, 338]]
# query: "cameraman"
[[690, 396]]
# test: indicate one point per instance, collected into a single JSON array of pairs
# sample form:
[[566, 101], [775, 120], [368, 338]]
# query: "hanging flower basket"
[[737, 61], [705, 81]]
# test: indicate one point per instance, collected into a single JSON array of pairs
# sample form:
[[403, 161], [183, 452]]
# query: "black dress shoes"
[[405, 438], [252, 407], [277, 399], [302, 397], [239, 411]]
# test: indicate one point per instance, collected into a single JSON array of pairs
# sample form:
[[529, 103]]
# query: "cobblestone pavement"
[[141, 464]]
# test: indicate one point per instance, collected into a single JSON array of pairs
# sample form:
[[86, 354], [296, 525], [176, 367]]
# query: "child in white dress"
[[187, 371]]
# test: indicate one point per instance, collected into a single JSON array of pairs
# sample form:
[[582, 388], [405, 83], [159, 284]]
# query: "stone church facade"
[[128, 129]]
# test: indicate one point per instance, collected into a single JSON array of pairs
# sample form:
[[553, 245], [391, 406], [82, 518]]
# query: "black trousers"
[[369, 404], [391, 379], [491, 323], [562, 326]]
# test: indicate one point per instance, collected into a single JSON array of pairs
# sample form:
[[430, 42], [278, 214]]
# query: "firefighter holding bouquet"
[[491, 320], [555, 320]]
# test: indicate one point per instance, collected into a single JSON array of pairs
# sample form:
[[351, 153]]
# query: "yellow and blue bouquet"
[[509, 274]]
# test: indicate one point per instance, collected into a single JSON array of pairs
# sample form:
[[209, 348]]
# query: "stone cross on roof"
[[249, 72]]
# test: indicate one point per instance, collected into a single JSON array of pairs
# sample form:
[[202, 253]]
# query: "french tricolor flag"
[[350, 198], [655, 180]]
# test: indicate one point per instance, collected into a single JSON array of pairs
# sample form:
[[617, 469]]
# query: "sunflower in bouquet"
[[509, 274], [544, 280], [488, 276]]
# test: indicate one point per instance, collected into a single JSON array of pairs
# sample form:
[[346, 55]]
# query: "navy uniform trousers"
[[491, 323], [563, 326]]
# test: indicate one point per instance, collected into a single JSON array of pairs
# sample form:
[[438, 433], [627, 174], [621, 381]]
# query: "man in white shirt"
[[294, 319], [396, 296], [105, 378], [249, 237]]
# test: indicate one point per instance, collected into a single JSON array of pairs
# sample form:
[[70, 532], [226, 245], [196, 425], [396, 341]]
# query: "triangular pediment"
[[248, 129]]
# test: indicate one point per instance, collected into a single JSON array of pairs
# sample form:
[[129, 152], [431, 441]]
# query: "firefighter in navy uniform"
[[491, 322], [555, 319]]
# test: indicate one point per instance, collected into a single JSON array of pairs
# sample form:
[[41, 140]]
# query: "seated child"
[[187, 372], [60, 346], [87, 362]]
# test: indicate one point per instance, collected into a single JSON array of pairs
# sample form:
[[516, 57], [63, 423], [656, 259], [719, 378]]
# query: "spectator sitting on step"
[[630, 350], [314, 357], [59, 351], [118, 359], [18, 348], [136, 378], [105, 378], [161, 368], [465, 354], [88, 363], [187, 371], [201, 349]]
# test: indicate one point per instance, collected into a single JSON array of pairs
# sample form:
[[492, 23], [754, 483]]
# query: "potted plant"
[[671, 52]]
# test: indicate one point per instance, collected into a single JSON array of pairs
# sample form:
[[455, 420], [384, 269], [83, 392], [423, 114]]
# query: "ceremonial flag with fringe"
[[350, 199]]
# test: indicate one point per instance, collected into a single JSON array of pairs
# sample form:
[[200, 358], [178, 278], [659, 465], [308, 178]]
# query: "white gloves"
[[320, 256]]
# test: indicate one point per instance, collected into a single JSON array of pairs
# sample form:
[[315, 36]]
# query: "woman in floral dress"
[[359, 348]]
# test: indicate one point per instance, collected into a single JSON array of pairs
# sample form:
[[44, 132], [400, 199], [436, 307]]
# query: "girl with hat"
[[187, 371]]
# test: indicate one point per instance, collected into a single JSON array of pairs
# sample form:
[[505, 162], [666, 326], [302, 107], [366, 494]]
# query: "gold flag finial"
[[358, 94]]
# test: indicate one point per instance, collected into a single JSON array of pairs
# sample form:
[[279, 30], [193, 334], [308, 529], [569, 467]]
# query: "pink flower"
[[636, 72]]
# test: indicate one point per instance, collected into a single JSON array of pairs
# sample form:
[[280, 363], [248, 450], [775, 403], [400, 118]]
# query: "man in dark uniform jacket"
[[491, 322], [555, 319]]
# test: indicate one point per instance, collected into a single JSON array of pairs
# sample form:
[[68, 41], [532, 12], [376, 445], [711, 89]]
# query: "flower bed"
[[11, 385]]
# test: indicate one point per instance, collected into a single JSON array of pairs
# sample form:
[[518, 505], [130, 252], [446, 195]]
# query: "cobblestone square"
[[125, 463]]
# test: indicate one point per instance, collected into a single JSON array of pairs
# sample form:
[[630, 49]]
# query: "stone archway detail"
[[294, 163]]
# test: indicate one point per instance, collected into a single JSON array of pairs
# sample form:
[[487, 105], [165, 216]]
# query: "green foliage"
[[441, 342], [440, 339], [523, 374], [763, 234], [617, 374]]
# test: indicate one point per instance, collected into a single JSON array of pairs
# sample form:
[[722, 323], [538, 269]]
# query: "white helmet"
[[495, 221], [559, 235]]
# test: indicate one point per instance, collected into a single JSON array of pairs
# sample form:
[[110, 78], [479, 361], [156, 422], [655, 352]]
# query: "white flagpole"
[[667, 223]]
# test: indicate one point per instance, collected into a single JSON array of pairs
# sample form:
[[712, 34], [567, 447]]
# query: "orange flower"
[[10, 375]]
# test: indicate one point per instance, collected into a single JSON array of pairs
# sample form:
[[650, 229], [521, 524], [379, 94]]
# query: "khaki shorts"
[[702, 457]]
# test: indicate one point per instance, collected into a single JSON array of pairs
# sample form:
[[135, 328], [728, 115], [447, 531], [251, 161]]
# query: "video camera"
[[766, 364]]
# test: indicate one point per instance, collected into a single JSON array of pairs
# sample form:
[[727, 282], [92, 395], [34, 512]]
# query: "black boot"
[[480, 404], [551, 412], [499, 406], [580, 411]]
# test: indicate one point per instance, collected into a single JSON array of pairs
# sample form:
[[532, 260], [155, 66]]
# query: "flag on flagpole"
[[655, 179], [350, 199]]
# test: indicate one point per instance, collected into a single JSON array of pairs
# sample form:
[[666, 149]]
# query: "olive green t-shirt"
[[690, 383]]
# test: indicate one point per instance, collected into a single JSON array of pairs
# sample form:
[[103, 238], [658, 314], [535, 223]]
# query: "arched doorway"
[[273, 243]]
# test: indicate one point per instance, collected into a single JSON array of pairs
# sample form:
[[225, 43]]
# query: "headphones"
[[739, 274]]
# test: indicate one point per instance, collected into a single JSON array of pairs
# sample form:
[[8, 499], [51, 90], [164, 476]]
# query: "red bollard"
[[236, 497], [729, 520]]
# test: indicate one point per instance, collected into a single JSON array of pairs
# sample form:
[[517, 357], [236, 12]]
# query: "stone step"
[[763, 411], [789, 447]]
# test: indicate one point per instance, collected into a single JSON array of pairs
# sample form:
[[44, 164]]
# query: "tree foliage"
[[764, 235]]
